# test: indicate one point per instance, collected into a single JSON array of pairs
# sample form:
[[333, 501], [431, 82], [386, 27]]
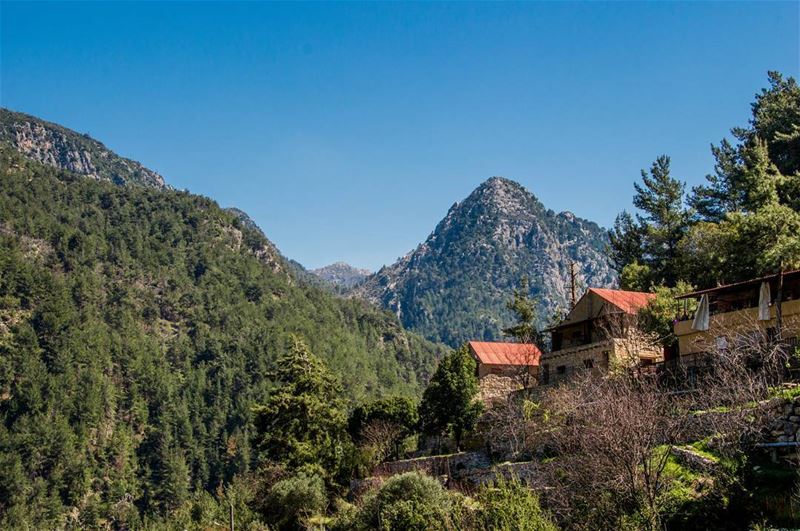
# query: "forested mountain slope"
[[138, 326], [455, 285]]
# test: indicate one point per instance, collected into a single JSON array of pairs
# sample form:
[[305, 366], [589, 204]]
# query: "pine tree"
[[303, 422], [750, 207], [776, 119], [524, 309], [626, 241], [660, 224], [725, 190]]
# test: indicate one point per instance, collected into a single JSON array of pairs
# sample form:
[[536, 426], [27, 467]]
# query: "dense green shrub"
[[292, 501], [401, 411], [410, 501], [383, 429], [448, 404], [510, 505]]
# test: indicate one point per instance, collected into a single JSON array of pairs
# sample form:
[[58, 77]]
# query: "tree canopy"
[[744, 222], [448, 404], [303, 422]]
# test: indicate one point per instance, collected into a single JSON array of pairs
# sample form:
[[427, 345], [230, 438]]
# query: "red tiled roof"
[[505, 353], [627, 301]]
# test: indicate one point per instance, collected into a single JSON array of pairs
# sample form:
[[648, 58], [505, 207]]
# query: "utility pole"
[[572, 276]]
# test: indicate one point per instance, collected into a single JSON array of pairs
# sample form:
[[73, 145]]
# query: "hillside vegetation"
[[138, 328]]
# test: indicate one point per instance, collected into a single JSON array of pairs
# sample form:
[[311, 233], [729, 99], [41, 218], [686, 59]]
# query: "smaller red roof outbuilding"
[[491, 353]]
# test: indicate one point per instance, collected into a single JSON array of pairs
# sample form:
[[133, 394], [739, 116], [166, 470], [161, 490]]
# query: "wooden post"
[[778, 309], [231, 515], [572, 276]]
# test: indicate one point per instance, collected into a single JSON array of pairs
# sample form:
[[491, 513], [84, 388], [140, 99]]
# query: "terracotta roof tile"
[[505, 353], [627, 301]]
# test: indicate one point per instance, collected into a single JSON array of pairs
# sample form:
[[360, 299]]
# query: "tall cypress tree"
[[449, 404]]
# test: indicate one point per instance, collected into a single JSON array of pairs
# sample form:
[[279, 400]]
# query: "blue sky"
[[348, 130]]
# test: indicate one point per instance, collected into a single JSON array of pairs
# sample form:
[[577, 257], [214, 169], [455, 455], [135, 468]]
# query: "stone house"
[[600, 332], [504, 367]]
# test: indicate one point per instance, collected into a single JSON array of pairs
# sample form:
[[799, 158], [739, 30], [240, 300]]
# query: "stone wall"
[[529, 473], [691, 459], [786, 426], [495, 388], [437, 465]]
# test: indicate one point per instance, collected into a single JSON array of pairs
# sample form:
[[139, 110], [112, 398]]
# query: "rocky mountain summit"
[[455, 285], [62, 148], [341, 274]]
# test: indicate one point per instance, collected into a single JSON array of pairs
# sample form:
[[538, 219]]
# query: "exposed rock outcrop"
[[64, 149]]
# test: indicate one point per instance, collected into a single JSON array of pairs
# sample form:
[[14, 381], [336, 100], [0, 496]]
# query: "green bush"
[[292, 501], [410, 501], [510, 505]]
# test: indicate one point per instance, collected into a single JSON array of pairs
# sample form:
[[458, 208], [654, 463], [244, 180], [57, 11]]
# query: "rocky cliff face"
[[341, 274], [64, 149], [455, 285]]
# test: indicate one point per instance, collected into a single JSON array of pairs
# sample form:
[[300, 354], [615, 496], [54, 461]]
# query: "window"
[[545, 374], [588, 363], [557, 340], [561, 369]]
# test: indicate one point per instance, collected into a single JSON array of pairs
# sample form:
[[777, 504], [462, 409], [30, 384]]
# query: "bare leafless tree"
[[631, 341], [509, 427], [525, 374], [612, 437], [613, 434], [379, 439]]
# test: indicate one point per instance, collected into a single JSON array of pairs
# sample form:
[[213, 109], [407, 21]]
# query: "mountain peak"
[[498, 180], [454, 286], [341, 274], [499, 185], [500, 190]]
